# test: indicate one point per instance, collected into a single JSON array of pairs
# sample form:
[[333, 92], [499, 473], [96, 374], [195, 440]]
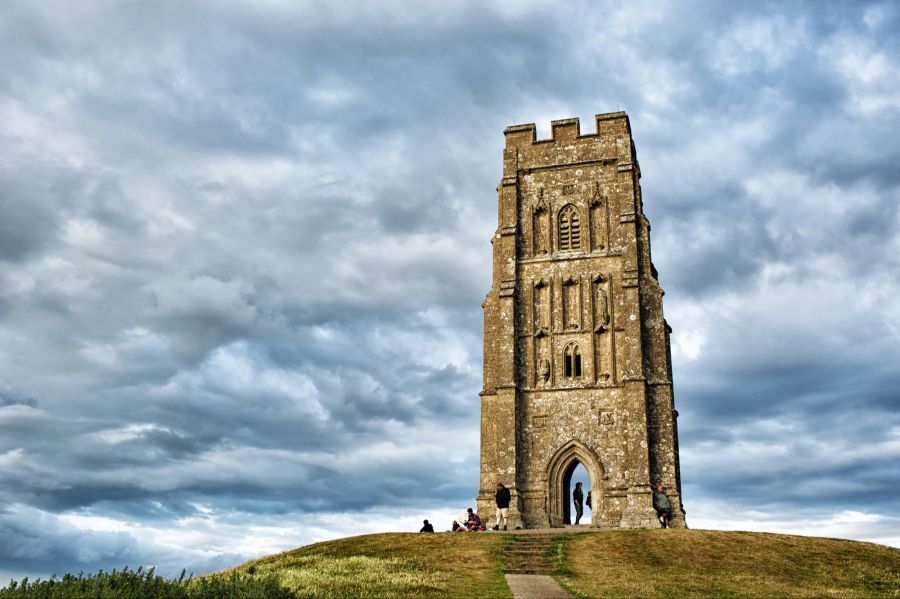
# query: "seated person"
[[473, 522], [427, 528], [459, 525]]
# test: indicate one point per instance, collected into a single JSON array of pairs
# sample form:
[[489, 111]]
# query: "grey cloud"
[[29, 222], [34, 542], [11, 399]]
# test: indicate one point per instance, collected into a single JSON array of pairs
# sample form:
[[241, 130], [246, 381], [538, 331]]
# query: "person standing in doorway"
[[502, 497], [578, 498]]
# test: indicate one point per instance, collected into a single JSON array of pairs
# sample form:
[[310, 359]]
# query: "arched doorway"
[[560, 472]]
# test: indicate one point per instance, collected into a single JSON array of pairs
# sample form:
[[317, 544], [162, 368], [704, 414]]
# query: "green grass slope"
[[392, 565], [645, 563], [691, 563]]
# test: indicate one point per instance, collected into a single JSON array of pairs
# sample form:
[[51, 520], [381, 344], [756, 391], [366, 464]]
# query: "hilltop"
[[645, 563]]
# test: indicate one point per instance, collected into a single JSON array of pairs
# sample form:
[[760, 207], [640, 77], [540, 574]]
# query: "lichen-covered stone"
[[577, 367]]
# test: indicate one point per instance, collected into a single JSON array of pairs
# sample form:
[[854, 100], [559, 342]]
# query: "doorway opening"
[[576, 473], [574, 462]]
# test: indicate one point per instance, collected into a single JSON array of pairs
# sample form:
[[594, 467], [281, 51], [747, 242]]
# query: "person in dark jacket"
[[427, 528], [502, 498], [578, 498], [663, 506]]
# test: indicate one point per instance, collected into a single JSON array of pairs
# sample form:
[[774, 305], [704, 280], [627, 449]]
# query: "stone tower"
[[577, 367]]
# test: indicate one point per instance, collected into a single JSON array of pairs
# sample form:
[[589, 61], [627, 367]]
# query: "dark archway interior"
[[567, 492]]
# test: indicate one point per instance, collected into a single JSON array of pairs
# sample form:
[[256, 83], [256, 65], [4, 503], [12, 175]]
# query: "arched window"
[[572, 361], [569, 228]]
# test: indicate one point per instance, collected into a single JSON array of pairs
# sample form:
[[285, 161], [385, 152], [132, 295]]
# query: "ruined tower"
[[577, 366]]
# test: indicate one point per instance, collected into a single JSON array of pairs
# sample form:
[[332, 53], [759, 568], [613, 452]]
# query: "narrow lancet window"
[[572, 361]]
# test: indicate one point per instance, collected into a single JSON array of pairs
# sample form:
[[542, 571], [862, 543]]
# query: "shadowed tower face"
[[577, 367]]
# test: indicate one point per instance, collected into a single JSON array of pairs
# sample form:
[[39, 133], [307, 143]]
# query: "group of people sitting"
[[468, 522], [471, 522]]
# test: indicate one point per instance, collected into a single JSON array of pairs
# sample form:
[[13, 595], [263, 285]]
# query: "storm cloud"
[[243, 250]]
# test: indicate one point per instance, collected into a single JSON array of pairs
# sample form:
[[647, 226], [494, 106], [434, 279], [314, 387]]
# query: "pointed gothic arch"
[[559, 477]]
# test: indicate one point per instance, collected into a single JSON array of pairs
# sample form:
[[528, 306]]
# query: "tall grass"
[[146, 584]]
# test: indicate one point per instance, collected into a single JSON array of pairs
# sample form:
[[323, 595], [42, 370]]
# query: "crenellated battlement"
[[609, 123]]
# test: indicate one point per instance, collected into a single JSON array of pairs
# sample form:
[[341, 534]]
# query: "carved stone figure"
[[598, 218], [544, 371], [602, 308], [571, 304], [540, 226]]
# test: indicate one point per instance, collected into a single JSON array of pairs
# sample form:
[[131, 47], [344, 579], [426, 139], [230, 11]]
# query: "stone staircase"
[[529, 554]]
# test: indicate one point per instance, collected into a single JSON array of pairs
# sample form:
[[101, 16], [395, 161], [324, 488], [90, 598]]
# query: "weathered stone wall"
[[576, 350]]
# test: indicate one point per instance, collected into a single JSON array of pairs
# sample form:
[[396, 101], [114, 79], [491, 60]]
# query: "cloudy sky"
[[243, 248]]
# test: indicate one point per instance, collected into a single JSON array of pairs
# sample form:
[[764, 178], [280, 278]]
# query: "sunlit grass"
[[704, 563], [391, 565], [360, 576]]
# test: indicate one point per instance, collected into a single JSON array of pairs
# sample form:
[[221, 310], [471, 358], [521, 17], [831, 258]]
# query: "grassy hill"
[[678, 563], [645, 563]]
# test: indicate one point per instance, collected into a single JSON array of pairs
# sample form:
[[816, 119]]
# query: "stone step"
[[528, 571], [544, 544], [527, 558], [529, 555]]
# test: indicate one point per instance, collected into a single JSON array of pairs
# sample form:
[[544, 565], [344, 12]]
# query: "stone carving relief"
[[540, 226], [571, 304], [599, 219], [603, 343], [543, 372], [541, 305], [542, 362], [607, 418], [601, 305]]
